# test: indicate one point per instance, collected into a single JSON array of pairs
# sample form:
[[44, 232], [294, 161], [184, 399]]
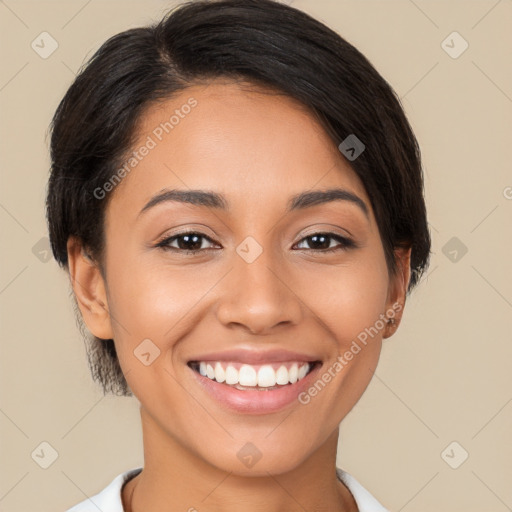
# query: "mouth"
[[262, 388], [249, 377]]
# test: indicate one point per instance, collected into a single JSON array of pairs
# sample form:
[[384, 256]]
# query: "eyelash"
[[346, 243]]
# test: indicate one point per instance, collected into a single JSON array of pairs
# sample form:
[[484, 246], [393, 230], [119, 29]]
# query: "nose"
[[258, 296]]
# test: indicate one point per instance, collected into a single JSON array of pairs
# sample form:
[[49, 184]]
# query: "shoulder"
[[109, 499], [364, 500]]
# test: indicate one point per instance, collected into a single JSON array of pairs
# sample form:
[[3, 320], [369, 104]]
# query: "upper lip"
[[255, 356]]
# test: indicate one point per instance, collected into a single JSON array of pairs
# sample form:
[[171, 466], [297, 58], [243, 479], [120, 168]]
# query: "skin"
[[257, 149]]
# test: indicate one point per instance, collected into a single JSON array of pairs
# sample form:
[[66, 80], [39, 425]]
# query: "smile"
[[263, 377], [258, 386]]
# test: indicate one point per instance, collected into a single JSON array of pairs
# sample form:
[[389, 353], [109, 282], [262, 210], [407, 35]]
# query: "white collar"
[[109, 499]]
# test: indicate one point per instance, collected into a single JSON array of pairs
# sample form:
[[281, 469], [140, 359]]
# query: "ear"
[[398, 290], [89, 288]]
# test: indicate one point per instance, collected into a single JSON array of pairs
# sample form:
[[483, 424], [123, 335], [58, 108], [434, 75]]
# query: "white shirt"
[[109, 499]]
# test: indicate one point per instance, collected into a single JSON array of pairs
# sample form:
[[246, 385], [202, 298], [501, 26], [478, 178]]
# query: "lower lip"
[[255, 402]]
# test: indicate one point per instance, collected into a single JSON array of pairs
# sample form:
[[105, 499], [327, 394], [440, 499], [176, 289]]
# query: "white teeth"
[[293, 373], [302, 372], [282, 375], [231, 375], [266, 376], [220, 374], [249, 376]]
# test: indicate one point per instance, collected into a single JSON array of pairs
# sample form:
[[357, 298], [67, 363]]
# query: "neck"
[[175, 478]]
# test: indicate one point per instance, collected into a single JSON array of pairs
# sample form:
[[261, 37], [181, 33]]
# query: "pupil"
[[315, 239], [187, 243]]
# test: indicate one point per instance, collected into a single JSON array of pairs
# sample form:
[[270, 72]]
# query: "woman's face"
[[270, 282]]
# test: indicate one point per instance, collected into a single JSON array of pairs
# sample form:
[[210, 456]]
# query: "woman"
[[237, 197]]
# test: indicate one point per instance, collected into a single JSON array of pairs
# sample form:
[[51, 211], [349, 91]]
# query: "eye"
[[321, 242], [191, 242], [187, 242]]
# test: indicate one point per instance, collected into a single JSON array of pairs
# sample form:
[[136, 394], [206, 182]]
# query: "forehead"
[[248, 143]]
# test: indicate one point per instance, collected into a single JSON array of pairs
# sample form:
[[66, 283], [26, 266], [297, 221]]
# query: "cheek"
[[348, 299], [159, 302], [349, 305], [147, 303], [153, 308]]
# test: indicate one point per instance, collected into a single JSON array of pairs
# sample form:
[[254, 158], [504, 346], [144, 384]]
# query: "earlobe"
[[89, 288], [398, 291]]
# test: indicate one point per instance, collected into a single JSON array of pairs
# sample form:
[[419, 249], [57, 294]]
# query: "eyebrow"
[[218, 201]]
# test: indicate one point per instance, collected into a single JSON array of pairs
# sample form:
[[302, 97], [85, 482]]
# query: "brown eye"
[[321, 242], [188, 242]]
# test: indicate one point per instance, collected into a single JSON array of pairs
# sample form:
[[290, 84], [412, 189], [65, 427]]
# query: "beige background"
[[444, 377]]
